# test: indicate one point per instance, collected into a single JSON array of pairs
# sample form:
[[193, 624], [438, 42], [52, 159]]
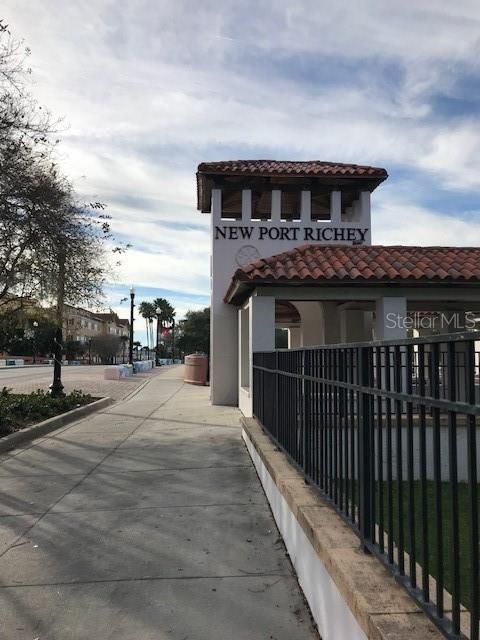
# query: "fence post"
[[365, 428], [307, 424]]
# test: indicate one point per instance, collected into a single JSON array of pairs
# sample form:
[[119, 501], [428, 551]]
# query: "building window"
[[261, 205], [320, 206], [291, 202], [231, 203]]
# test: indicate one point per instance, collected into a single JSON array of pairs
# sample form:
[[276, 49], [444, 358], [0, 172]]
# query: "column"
[[331, 323], [311, 333], [276, 205], [365, 206], [243, 347], [336, 207], [352, 326], [306, 207], [391, 315], [246, 205], [261, 338], [223, 327], [294, 337], [262, 323]]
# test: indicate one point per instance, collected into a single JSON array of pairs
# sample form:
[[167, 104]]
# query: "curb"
[[134, 392], [139, 388], [51, 424], [27, 366]]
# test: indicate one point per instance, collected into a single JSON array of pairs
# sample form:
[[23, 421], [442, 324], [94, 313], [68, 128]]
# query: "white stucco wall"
[[238, 242]]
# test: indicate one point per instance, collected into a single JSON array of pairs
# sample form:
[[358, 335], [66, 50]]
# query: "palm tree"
[[137, 345], [147, 311], [167, 314]]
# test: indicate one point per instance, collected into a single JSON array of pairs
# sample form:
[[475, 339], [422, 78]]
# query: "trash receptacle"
[[196, 368]]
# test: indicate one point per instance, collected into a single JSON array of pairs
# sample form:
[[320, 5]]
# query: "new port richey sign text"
[[302, 234]]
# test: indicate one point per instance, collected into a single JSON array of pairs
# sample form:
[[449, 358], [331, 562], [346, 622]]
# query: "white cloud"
[[151, 87], [402, 222]]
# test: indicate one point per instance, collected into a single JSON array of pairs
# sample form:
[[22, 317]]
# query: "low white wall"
[[334, 619], [245, 402], [12, 362], [142, 365]]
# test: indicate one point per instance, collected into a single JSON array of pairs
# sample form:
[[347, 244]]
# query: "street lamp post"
[[130, 346], [34, 340], [56, 388], [173, 340], [154, 359], [158, 311]]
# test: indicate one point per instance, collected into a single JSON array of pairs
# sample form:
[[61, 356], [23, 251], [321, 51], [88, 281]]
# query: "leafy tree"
[[194, 332], [27, 189], [52, 246], [106, 347], [18, 335], [46, 234], [74, 349]]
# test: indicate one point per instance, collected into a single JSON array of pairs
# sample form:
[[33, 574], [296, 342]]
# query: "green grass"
[[464, 530]]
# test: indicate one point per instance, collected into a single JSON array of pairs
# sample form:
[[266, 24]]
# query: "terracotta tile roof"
[[290, 168], [370, 264], [371, 177]]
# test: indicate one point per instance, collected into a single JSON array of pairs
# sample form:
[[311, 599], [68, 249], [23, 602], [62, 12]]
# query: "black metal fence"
[[388, 432]]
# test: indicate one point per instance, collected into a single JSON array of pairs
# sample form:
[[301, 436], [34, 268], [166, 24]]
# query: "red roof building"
[[292, 249], [314, 265]]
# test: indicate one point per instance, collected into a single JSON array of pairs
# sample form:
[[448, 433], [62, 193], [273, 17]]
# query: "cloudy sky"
[[150, 88]]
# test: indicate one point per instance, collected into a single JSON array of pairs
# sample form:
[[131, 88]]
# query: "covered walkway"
[[145, 521]]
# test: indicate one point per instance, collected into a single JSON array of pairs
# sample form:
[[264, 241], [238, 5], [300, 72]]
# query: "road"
[[88, 379]]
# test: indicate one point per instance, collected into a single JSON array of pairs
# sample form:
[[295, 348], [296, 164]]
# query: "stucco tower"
[[260, 208]]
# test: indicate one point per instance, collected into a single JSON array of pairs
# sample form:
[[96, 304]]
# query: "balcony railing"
[[387, 432]]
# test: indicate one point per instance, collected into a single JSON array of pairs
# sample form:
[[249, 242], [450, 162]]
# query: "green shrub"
[[18, 410]]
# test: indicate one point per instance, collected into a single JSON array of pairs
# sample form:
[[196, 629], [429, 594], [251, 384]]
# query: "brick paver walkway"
[[85, 378]]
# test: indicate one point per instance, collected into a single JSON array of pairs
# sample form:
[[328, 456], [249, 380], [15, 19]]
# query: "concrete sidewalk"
[[146, 521]]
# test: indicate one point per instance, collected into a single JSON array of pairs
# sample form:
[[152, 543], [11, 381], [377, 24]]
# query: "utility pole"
[[35, 327], [56, 388]]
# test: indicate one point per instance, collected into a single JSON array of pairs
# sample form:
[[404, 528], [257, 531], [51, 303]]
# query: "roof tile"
[[208, 172], [376, 263], [288, 167]]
